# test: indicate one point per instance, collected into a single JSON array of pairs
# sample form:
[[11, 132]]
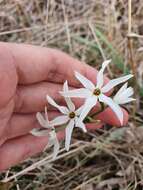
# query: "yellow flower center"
[[71, 115], [97, 92]]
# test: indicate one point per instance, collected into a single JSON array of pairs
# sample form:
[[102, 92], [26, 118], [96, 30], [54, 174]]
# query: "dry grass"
[[91, 30]]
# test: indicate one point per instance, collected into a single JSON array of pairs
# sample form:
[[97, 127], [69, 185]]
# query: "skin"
[[27, 74]]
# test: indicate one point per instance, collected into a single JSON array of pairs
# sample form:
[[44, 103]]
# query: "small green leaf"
[[117, 59]]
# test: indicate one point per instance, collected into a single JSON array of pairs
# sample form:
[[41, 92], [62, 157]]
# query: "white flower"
[[49, 131], [124, 94], [70, 116], [94, 93]]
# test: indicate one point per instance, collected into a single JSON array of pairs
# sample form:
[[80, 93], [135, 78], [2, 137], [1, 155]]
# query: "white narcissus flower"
[[48, 131], [94, 93], [124, 94], [70, 116]]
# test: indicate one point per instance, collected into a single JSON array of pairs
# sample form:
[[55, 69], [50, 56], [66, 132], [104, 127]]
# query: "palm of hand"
[[8, 83]]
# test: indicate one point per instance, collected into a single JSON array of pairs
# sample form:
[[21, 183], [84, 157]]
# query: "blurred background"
[[92, 31]]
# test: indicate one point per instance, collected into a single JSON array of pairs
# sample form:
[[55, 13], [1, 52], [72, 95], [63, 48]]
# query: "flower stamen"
[[97, 92], [71, 115]]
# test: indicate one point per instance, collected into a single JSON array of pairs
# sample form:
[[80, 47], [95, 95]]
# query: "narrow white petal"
[[79, 110], [124, 101], [41, 119], [114, 82], [52, 135], [128, 92], [39, 133], [59, 120], [53, 140], [77, 93], [89, 104], [124, 95], [80, 124], [115, 107], [62, 109], [122, 89], [56, 148], [128, 100], [100, 76], [119, 99], [69, 129], [70, 104], [46, 115], [84, 81]]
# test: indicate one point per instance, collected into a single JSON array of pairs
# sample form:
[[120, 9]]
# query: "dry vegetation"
[[91, 30]]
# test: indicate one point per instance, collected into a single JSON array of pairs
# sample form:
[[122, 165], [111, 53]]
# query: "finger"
[[18, 149], [93, 126], [32, 98], [36, 64], [108, 116], [25, 147]]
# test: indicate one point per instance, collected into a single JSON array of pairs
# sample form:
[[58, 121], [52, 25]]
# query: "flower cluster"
[[75, 117]]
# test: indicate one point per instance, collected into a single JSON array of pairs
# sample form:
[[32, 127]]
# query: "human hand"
[[27, 75]]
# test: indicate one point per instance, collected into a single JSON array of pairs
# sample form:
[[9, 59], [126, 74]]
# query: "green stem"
[[89, 119], [101, 110]]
